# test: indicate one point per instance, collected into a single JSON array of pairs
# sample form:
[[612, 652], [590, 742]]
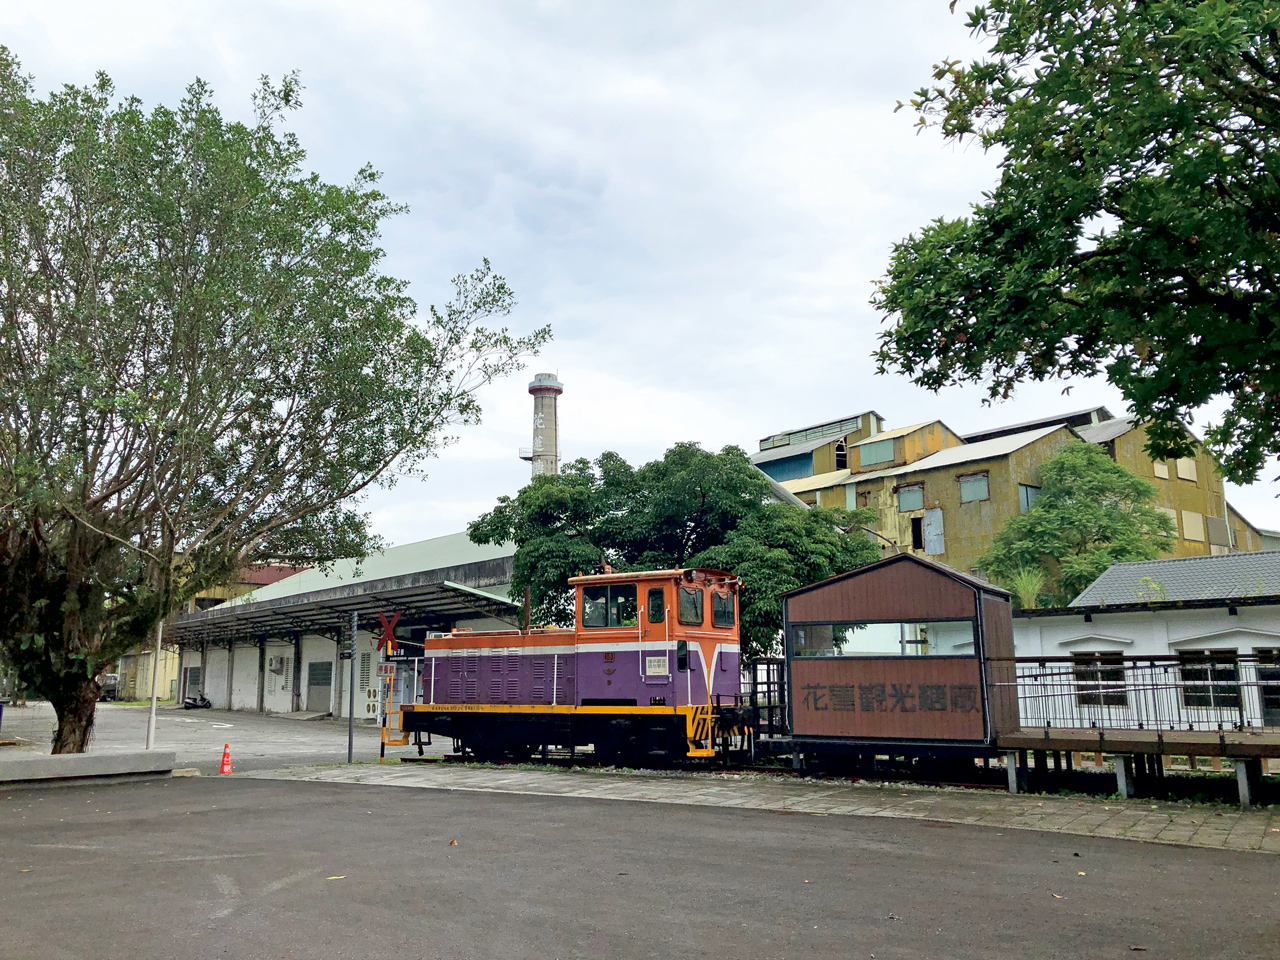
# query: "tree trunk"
[[75, 709]]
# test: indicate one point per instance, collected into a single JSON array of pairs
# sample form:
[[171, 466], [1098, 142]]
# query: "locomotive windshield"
[[609, 606]]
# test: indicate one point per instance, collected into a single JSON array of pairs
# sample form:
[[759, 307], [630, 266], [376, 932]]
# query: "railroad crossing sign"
[[388, 638]]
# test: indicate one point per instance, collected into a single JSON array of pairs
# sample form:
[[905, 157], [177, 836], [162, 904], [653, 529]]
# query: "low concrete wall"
[[75, 766]]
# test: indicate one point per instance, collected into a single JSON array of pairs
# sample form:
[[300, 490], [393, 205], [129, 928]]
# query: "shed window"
[[721, 609], [974, 488], [1187, 468], [1210, 679], [1100, 680], [935, 638], [657, 604], [691, 605], [842, 456], [613, 605], [880, 451], [917, 533], [911, 498], [1027, 496]]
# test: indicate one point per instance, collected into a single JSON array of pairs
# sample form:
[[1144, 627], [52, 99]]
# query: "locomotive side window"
[[609, 606], [722, 609], [657, 605], [691, 605], [682, 656]]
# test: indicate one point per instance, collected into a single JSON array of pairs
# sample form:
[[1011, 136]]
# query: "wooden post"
[[1098, 761]]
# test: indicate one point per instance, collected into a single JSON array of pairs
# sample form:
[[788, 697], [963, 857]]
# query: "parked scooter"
[[196, 702]]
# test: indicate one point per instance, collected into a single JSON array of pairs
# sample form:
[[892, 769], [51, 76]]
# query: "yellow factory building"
[[944, 495]]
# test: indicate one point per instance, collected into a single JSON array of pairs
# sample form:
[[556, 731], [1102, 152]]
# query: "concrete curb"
[[79, 766]]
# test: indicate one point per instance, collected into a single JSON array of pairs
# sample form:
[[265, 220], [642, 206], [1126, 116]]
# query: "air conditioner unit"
[[275, 664]]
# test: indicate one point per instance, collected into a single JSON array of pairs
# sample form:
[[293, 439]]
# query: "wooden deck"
[[1197, 743]]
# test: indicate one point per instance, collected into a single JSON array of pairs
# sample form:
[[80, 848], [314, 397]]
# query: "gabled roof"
[[934, 565], [792, 449], [819, 482], [900, 432], [964, 453], [1107, 430], [1076, 418], [1231, 575]]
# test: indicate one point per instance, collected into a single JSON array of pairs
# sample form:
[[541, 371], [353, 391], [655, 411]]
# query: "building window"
[[366, 661], [1027, 496], [609, 606], [842, 456], [917, 533], [1161, 468], [880, 451], [1187, 468], [911, 498], [974, 488], [691, 606], [879, 639], [1192, 526], [721, 609], [1100, 680], [1211, 679]]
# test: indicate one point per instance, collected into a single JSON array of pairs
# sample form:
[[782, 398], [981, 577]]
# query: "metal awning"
[[422, 599]]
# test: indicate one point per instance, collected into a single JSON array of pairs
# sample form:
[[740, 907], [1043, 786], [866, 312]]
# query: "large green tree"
[[1090, 513], [201, 366], [1135, 227], [692, 508]]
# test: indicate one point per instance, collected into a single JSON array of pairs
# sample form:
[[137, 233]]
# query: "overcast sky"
[[697, 197]]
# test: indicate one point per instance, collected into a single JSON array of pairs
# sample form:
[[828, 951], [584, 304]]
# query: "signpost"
[[351, 691]]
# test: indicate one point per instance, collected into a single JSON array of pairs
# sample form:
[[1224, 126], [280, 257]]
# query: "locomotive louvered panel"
[[513, 659], [473, 661], [540, 669], [495, 690], [539, 693], [496, 662], [455, 663], [472, 688], [455, 689], [513, 689]]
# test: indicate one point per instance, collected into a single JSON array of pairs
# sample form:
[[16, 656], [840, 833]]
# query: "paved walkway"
[[1188, 824]]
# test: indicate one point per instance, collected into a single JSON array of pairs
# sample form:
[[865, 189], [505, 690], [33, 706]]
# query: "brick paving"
[[1192, 825]]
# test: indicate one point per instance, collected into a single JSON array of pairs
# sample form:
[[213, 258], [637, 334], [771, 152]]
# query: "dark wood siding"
[[896, 591], [1002, 692], [912, 698]]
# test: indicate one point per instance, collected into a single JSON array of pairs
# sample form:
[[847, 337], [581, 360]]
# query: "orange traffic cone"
[[226, 759]]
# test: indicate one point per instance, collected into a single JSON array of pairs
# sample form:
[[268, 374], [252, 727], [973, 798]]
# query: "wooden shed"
[[903, 655]]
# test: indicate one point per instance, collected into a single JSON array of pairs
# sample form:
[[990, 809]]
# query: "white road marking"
[[276, 885], [228, 888]]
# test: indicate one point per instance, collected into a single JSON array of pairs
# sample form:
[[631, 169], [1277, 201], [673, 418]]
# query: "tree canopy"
[[1090, 513], [692, 508], [1136, 224], [202, 366]]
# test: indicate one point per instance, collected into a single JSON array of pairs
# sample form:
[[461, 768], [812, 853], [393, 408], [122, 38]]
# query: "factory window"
[[911, 498], [1161, 468], [691, 605], [1187, 468], [609, 606], [657, 604], [917, 533], [1027, 496], [974, 488], [366, 662], [721, 609], [1193, 526], [881, 451], [842, 456]]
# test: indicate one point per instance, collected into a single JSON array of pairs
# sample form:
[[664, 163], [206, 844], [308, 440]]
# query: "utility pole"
[[155, 680], [351, 694]]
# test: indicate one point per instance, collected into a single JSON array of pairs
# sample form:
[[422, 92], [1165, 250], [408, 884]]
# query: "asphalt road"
[[218, 868], [257, 741]]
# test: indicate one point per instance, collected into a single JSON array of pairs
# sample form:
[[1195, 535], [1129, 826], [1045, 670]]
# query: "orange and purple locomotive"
[[640, 676]]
